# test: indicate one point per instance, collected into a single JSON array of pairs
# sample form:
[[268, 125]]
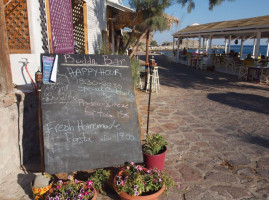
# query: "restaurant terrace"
[[256, 28]]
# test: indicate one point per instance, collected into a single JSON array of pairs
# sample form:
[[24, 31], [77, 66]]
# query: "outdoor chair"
[[264, 77], [202, 64], [243, 72]]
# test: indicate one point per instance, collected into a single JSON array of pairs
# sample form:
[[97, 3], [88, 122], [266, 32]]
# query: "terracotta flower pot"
[[154, 196], [152, 161], [95, 195], [125, 196]]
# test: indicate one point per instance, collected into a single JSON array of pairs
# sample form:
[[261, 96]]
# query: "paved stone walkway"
[[218, 133]]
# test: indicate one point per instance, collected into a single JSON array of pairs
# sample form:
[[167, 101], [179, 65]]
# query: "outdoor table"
[[194, 62], [257, 72]]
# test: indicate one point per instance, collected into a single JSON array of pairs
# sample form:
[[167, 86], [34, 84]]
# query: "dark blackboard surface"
[[89, 115]]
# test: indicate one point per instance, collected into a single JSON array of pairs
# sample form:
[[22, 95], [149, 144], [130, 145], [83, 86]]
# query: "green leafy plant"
[[99, 177], [154, 144], [135, 69], [138, 181]]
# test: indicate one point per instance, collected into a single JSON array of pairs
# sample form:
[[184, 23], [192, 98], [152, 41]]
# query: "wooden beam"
[[85, 27], [49, 26], [6, 83]]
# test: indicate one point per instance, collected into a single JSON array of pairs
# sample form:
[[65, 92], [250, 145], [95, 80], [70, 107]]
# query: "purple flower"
[[50, 198], [136, 193], [135, 187], [76, 181]]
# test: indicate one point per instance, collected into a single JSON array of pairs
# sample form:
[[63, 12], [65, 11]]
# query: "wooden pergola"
[[250, 28]]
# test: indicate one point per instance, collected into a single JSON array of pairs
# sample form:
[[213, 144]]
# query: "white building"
[[52, 26]]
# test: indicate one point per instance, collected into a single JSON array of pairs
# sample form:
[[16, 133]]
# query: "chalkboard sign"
[[89, 115]]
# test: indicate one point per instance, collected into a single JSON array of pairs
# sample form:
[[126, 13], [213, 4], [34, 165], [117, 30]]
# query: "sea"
[[246, 50]]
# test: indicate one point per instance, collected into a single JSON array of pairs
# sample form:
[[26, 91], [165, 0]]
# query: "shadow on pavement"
[[249, 102], [257, 140], [179, 75], [25, 180]]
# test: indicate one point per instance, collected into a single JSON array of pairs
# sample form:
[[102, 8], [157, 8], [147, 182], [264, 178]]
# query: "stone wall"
[[19, 140]]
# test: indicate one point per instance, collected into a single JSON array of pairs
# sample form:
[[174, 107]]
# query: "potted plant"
[[138, 183], [154, 150], [98, 178], [72, 190]]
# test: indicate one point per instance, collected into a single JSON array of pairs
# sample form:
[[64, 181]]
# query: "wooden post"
[[241, 48], [147, 48], [147, 60], [258, 44], [6, 83]]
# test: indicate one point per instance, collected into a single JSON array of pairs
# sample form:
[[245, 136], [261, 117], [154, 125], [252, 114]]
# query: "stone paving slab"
[[218, 133]]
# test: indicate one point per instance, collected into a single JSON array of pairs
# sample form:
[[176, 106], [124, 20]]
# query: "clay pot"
[[95, 195], [125, 196], [154, 196], [155, 161]]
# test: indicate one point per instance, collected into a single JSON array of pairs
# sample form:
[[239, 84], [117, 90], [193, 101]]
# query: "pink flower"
[[132, 163], [86, 193], [60, 181], [76, 181], [90, 183], [58, 187], [122, 182], [178, 185], [139, 167], [160, 180], [80, 195]]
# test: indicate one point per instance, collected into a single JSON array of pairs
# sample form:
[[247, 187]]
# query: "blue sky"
[[228, 10]]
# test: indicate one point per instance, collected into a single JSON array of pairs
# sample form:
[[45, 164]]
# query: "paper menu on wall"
[[47, 68], [54, 70]]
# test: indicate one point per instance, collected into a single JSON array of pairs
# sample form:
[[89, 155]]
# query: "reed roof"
[[236, 28]]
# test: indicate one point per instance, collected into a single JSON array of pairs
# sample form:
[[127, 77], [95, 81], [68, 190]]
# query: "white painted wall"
[[19, 74], [96, 14]]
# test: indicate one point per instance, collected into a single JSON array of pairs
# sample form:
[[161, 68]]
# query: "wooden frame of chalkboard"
[[89, 115]]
